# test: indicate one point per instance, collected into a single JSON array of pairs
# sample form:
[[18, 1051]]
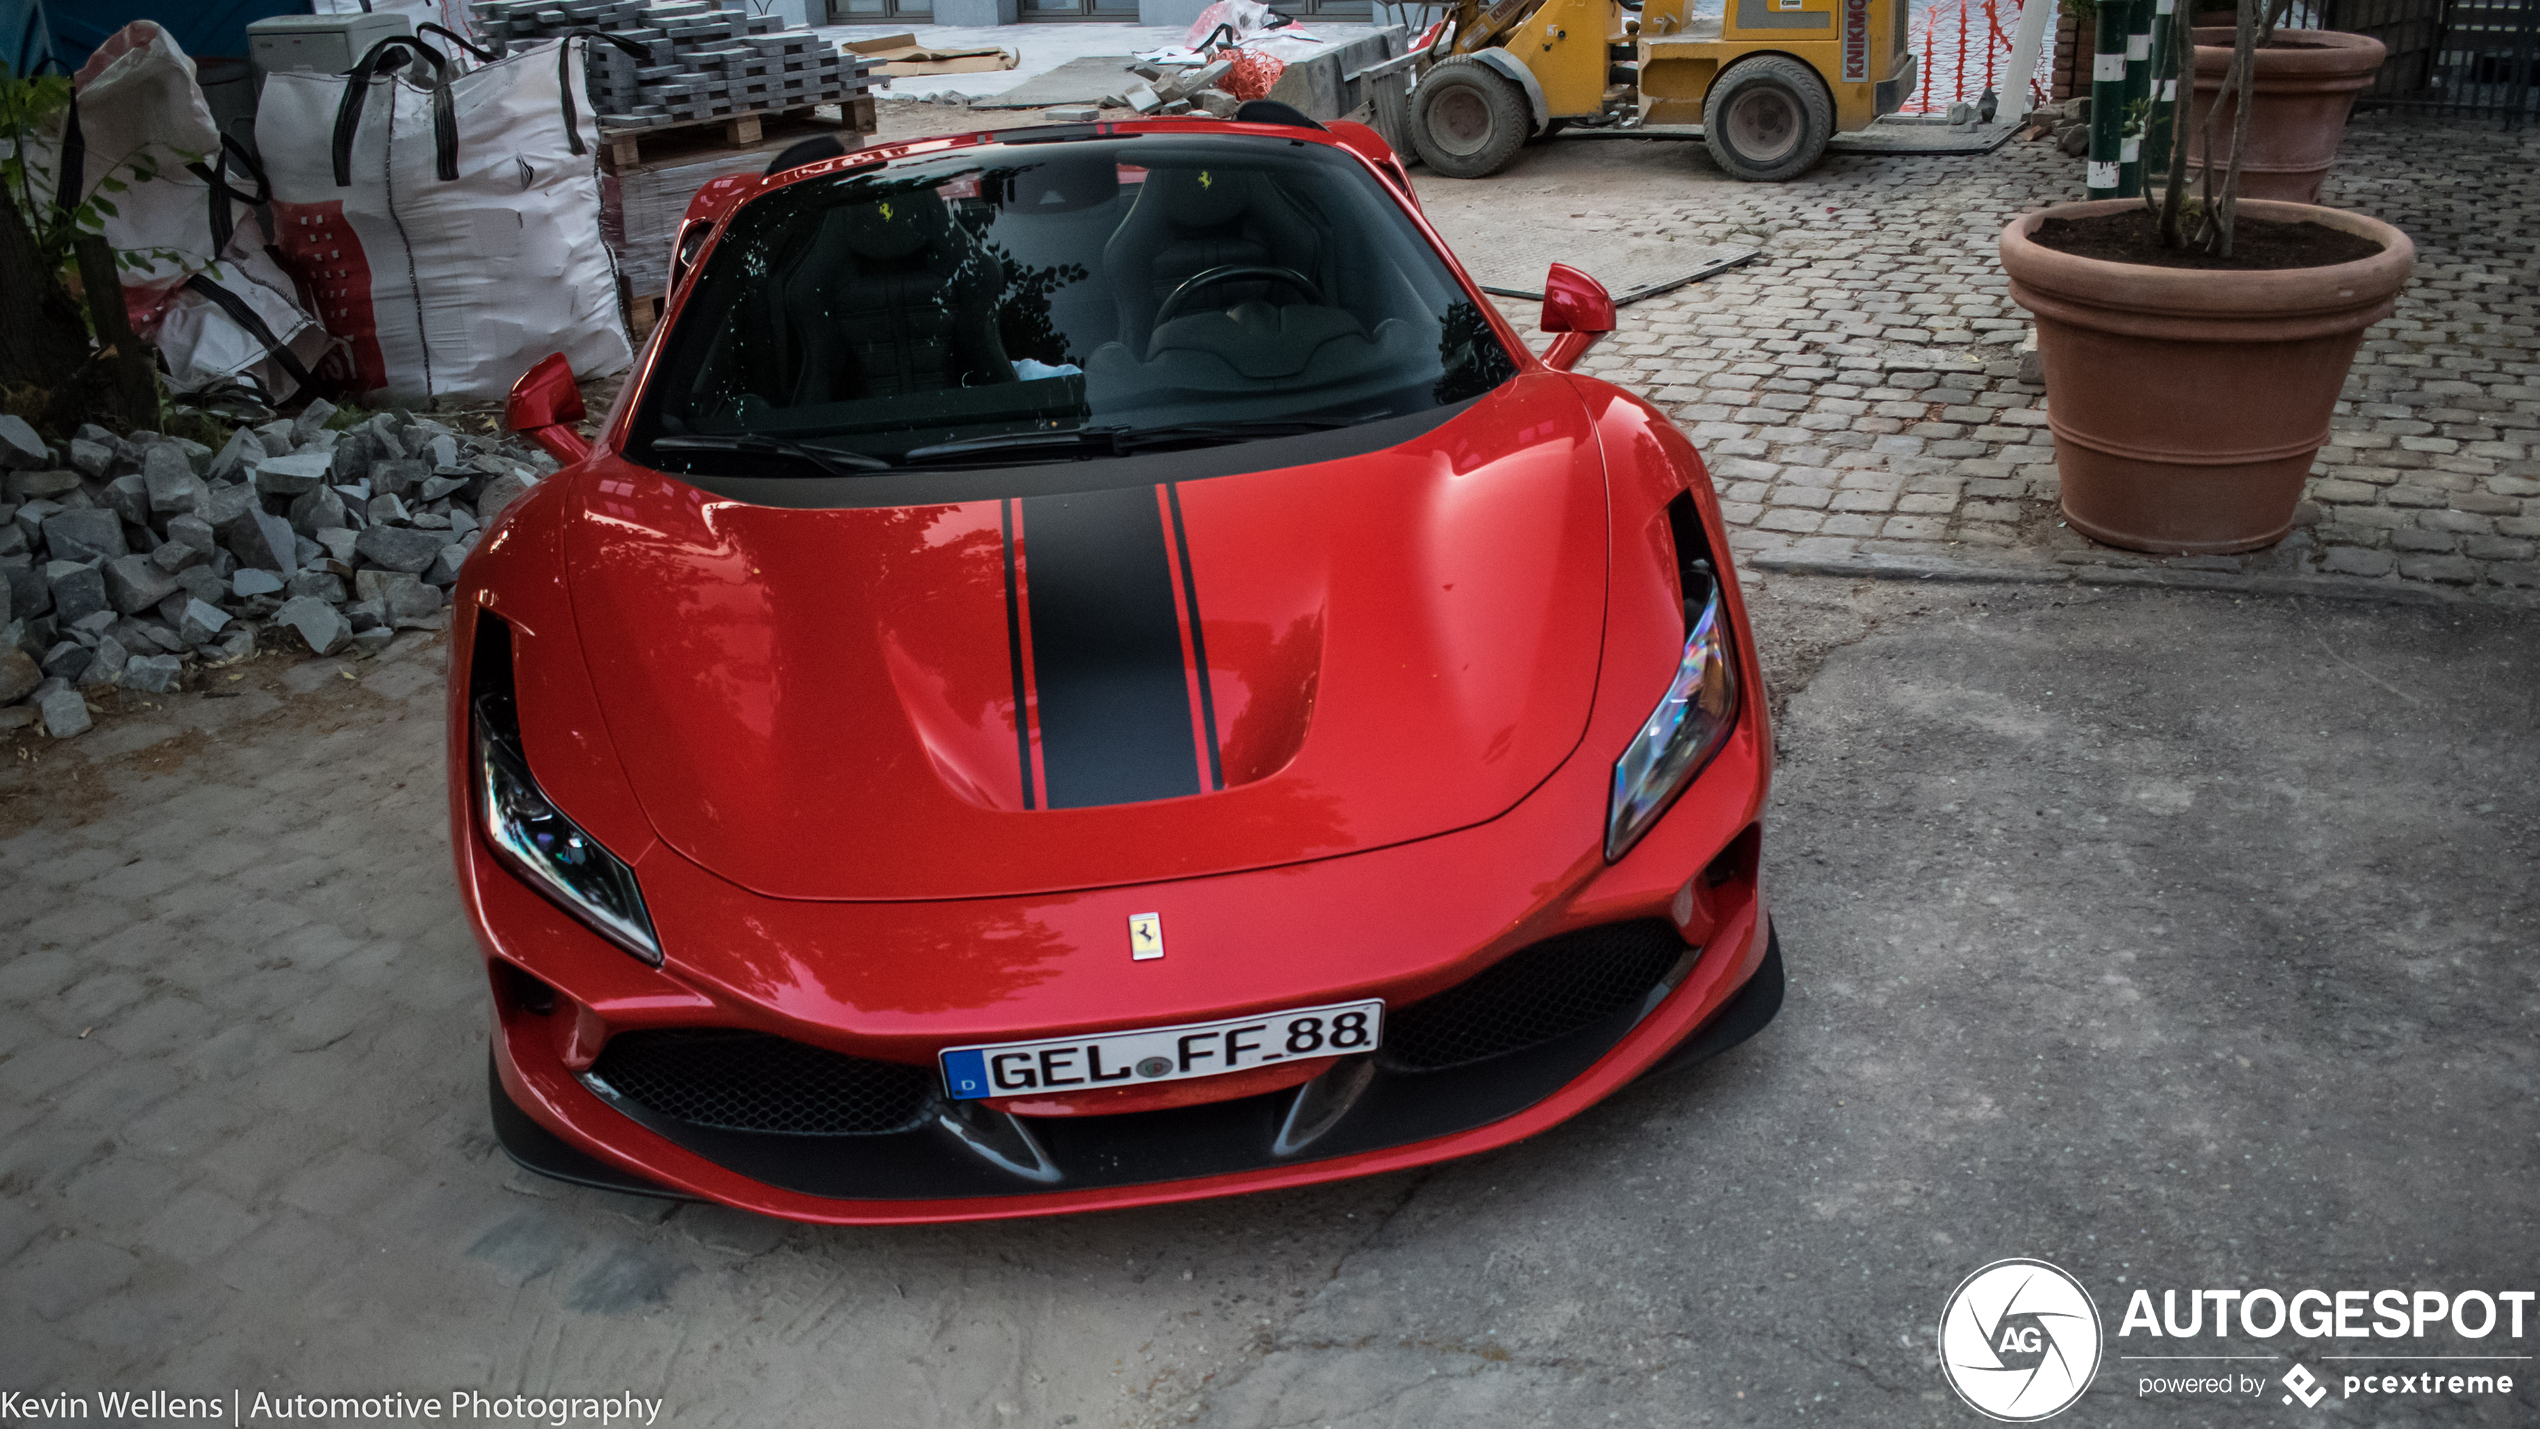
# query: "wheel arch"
[[1746, 57], [1515, 70]]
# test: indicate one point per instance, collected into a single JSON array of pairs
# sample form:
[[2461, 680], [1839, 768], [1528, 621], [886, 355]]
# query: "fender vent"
[[749, 1081], [1534, 995]]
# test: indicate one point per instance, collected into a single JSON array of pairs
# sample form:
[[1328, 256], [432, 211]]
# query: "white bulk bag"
[[200, 286], [242, 328], [450, 231]]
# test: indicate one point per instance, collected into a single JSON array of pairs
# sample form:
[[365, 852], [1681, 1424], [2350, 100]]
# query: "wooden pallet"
[[623, 149]]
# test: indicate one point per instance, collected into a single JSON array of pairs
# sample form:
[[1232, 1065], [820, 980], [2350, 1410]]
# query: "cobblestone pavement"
[[1856, 389]]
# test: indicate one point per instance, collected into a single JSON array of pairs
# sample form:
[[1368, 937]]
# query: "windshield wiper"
[[828, 459], [1120, 440], [1099, 438]]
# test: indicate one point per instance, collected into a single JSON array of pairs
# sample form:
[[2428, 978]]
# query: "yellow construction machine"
[[1768, 81]]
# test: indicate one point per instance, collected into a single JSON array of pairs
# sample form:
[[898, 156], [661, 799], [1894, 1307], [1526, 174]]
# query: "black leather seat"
[[890, 298], [1186, 221]]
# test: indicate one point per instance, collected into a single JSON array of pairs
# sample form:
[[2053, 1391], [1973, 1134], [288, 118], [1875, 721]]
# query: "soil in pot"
[[2257, 244]]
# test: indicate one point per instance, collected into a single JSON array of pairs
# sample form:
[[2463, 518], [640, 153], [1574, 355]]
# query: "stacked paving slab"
[[127, 560], [706, 62]]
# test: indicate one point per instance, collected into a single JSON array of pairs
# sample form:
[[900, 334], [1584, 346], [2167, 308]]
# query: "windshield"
[[1045, 302]]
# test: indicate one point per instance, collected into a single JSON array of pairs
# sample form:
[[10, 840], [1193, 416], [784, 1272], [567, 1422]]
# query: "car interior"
[[1140, 283]]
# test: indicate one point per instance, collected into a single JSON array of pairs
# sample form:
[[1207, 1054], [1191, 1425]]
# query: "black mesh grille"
[[1545, 991], [749, 1081]]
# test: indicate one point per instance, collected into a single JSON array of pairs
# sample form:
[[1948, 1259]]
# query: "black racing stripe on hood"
[[1014, 658], [1113, 694]]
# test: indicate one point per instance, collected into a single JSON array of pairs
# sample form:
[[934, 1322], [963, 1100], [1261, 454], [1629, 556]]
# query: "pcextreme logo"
[[2019, 1341]]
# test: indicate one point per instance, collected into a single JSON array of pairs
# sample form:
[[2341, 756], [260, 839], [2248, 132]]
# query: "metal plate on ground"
[[1891, 135], [1631, 266], [1089, 79]]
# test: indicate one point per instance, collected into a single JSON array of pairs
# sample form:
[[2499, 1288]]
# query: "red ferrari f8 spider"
[[1090, 666]]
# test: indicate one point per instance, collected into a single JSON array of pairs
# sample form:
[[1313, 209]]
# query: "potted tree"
[[2303, 87], [2195, 340]]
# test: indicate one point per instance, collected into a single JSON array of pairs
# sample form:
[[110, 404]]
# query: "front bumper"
[[1391, 1120], [1404, 923]]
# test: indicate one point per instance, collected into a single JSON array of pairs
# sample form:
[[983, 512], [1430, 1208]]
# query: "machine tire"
[[1467, 120], [1767, 119]]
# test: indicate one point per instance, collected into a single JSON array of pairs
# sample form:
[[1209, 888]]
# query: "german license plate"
[[1162, 1054]]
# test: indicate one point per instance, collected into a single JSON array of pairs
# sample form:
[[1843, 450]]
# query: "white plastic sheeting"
[[206, 295]]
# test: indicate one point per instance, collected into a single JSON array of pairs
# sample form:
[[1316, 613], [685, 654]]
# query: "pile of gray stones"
[[129, 559]]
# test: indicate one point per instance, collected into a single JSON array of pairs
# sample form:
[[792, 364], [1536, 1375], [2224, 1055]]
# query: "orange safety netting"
[[1252, 75]]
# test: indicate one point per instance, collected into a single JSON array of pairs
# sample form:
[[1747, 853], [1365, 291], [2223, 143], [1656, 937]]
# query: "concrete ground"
[[2178, 938]]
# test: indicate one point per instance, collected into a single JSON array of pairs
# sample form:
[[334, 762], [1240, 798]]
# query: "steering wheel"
[[1166, 311]]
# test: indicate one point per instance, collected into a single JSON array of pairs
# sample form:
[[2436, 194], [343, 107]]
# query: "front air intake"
[[1539, 993], [731, 1080]]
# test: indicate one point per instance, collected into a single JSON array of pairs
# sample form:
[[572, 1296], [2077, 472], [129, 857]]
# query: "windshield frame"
[[1091, 470]]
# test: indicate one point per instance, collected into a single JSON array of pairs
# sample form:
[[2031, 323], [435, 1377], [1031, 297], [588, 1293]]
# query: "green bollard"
[[2161, 119], [2138, 93], [2107, 98]]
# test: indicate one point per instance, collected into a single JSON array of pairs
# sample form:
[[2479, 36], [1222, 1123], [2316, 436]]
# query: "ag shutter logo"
[[2019, 1341]]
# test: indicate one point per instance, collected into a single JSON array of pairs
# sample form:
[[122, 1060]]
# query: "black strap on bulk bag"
[[564, 73], [74, 160], [445, 119], [224, 193], [483, 55], [248, 318]]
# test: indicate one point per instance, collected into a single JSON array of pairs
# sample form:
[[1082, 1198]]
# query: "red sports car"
[[1089, 666]]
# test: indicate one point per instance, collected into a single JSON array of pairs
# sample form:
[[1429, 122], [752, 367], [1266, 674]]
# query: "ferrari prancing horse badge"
[[1146, 936]]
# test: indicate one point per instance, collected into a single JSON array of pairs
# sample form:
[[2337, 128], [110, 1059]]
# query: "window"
[[1035, 302]]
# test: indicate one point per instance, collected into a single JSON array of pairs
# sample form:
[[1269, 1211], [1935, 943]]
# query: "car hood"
[[1009, 696]]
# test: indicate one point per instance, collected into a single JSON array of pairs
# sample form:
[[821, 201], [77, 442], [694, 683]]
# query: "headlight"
[[1685, 730], [543, 846]]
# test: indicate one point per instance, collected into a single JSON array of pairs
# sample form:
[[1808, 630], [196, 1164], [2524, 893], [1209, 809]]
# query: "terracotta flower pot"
[[2306, 85], [2186, 403]]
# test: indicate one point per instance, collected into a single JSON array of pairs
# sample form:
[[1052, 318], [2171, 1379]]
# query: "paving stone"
[[2358, 561], [263, 541], [20, 447], [152, 674], [317, 623], [39, 485], [2448, 570], [105, 665], [90, 535], [241, 451], [90, 458], [169, 480], [201, 622], [395, 549], [315, 510], [295, 475], [136, 583], [77, 590], [65, 713], [19, 674]]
